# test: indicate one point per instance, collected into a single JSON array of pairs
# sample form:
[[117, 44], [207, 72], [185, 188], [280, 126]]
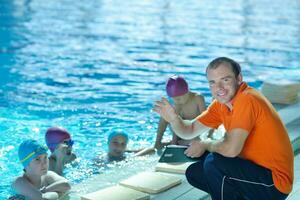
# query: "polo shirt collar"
[[242, 88]]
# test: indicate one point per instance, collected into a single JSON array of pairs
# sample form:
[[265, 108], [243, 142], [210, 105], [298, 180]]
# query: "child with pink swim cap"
[[60, 144], [187, 104]]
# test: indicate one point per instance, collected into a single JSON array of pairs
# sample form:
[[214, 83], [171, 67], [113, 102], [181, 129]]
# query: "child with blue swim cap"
[[117, 147], [37, 182], [117, 144]]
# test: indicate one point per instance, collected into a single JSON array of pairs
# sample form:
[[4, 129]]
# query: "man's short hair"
[[236, 68]]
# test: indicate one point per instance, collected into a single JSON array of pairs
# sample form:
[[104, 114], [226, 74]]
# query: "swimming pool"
[[94, 66]]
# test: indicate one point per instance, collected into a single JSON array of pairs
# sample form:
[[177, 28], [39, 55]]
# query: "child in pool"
[[37, 182], [60, 144], [188, 105], [117, 147]]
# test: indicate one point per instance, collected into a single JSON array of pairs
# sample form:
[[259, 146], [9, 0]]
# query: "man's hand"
[[196, 149], [165, 110]]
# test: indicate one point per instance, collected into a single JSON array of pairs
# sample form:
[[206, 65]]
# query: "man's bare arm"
[[186, 129], [229, 146]]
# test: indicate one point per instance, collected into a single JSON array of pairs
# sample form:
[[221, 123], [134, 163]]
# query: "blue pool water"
[[94, 66]]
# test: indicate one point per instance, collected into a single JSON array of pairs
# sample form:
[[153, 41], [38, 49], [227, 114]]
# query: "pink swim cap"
[[176, 86], [54, 136]]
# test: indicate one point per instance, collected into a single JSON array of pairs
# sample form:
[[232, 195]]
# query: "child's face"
[[179, 100], [38, 166], [65, 147], [117, 146]]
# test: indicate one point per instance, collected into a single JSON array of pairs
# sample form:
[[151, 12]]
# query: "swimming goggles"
[[69, 142]]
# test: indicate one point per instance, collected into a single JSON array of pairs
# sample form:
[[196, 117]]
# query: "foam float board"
[[284, 92], [116, 193], [151, 182]]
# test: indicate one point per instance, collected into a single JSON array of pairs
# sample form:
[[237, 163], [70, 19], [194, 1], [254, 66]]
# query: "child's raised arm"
[[145, 151]]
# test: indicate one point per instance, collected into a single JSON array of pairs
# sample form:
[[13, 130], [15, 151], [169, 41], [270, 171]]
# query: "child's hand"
[[62, 149], [165, 109], [158, 145], [43, 189]]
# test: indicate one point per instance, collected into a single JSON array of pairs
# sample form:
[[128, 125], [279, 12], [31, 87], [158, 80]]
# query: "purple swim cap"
[[176, 86], [54, 136]]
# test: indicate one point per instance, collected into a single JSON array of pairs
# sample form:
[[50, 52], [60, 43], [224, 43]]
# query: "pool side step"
[[290, 116]]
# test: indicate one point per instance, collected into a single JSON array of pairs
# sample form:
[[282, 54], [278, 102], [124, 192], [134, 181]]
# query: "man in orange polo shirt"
[[255, 158]]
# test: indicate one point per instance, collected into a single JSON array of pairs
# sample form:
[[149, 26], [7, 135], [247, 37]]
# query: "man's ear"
[[240, 78]]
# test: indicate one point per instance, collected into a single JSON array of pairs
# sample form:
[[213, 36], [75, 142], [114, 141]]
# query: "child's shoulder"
[[18, 182], [197, 97]]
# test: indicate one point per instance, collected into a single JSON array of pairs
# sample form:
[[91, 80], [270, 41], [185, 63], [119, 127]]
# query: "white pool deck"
[[290, 116]]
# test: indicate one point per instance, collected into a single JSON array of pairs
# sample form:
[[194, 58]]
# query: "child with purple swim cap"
[[176, 86], [60, 144], [187, 104], [37, 182]]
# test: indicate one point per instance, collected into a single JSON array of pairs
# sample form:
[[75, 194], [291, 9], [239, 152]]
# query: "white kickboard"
[[116, 193], [151, 182]]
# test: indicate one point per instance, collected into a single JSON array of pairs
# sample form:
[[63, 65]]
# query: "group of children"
[[43, 175]]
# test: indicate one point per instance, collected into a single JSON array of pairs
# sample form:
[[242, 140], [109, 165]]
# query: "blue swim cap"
[[29, 150], [114, 134]]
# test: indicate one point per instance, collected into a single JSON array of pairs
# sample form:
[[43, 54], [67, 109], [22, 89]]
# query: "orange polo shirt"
[[267, 144]]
